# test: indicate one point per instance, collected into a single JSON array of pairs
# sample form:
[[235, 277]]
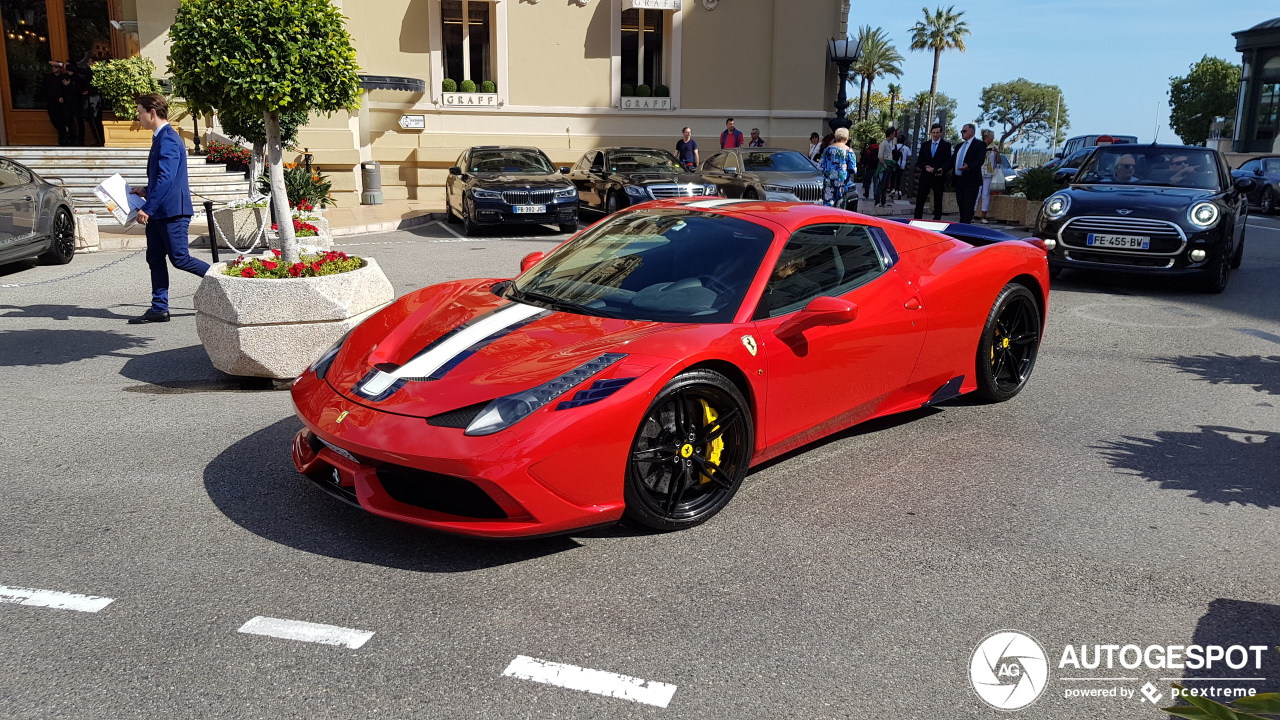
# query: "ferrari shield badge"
[[342, 416], [750, 344]]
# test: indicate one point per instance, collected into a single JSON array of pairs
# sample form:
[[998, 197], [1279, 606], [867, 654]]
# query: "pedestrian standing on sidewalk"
[[900, 177], [687, 149], [885, 165], [166, 214], [990, 166], [839, 170], [815, 147], [731, 137], [932, 162], [968, 168], [870, 160], [756, 140]]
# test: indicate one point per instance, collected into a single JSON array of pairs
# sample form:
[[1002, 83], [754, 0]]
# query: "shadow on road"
[[59, 347], [1217, 464], [184, 370], [1261, 373], [58, 312], [1236, 622], [254, 483]]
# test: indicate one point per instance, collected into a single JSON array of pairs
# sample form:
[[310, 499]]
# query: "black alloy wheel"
[[469, 227], [611, 203], [750, 194], [62, 239], [1009, 345], [569, 228], [1238, 257], [1268, 201], [1218, 272], [449, 215], [690, 453]]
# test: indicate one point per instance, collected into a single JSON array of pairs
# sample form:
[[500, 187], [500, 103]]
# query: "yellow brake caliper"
[[715, 447]]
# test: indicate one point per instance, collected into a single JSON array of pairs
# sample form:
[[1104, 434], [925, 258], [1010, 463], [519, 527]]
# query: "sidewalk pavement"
[[356, 220]]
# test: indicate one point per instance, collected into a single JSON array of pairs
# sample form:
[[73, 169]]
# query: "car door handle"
[[28, 198], [913, 304]]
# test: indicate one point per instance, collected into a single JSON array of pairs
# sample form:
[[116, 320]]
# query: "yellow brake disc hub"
[[686, 451]]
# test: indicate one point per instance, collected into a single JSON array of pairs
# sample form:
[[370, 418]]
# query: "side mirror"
[[564, 170], [822, 310], [1064, 176], [1059, 155], [455, 170], [531, 259], [1257, 171], [1245, 184]]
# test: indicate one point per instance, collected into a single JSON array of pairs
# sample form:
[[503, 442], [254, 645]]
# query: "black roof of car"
[[504, 147]]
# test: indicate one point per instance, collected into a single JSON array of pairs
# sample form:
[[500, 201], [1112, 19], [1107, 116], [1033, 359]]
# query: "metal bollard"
[[371, 178], [213, 231]]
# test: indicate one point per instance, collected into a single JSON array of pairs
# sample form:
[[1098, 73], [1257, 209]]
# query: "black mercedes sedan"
[[610, 179], [765, 174], [35, 217], [1265, 172], [498, 185], [1164, 209]]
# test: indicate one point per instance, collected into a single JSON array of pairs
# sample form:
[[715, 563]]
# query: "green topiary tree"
[[644, 91], [488, 86], [1036, 183], [864, 133], [662, 91], [449, 85], [468, 86], [122, 81], [627, 91], [252, 128], [265, 57]]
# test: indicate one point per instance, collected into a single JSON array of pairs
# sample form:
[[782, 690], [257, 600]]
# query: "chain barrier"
[[216, 233], [75, 275]]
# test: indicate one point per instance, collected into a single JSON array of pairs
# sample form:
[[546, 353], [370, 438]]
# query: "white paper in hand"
[[117, 195]]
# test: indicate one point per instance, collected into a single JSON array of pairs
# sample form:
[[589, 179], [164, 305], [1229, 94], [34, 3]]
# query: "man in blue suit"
[[167, 210]]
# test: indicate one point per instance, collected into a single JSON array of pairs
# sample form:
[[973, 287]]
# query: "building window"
[[468, 45], [642, 48]]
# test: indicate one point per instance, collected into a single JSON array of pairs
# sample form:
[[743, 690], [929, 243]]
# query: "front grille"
[[528, 197], [441, 493], [807, 191], [459, 418], [1114, 259], [1166, 237], [676, 191]]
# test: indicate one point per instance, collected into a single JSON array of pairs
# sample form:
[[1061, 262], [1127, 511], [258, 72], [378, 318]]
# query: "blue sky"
[[1112, 59]]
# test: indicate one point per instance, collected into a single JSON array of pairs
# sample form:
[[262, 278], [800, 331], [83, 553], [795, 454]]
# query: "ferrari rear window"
[[671, 265]]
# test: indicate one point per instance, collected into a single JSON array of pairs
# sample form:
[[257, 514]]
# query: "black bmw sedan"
[[1165, 209], [498, 185], [35, 217], [610, 179]]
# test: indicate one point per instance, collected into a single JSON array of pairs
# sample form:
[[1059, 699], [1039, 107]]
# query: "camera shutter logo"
[[1009, 670]]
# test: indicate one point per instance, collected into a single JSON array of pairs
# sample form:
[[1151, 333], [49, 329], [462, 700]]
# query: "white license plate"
[[1127, 242], [339, 450], [530, 209]]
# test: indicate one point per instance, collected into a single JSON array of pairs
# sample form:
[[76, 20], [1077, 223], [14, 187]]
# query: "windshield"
[[671, 265], [630, 161], [1136, 165], [510, 161], [777, 162]]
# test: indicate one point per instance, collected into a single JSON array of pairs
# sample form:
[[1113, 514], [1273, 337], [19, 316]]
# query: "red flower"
[[296, 269], [267, 264], [276, 253], [248, 272]]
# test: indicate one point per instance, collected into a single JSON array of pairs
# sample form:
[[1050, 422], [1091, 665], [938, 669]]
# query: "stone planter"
[[949, 204], [1008, 208], [1032, 213], [240, 225], [322, 241], [276, 328], [125, 134], [86, 232]]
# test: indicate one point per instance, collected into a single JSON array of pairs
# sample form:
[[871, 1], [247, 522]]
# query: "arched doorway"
[[33, 35]]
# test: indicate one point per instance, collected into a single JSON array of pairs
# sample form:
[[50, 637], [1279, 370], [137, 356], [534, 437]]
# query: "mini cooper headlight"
[[566, 193], [321, 366], [1203, 215], [504, 412], [1057, 206], [637, 192]]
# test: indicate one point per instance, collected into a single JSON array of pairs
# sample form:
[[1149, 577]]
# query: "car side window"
[[827, 259], [597, 162], [730, 163], [1272, 166], [716, 162], [1251, 166], [9, 175]]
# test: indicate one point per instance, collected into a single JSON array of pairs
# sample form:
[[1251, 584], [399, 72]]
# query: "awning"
[[392, 82]]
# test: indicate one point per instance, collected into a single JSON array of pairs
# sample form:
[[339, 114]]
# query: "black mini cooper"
[[497, 185], [1165, 209]]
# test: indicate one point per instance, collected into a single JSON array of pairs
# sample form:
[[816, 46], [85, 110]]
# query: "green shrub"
[[864, 133], [122, 81], [644, 91], [488, 86], [299, 184], [1036, 183], [628, 91], [662, 91], [449, 85], [467, 86]]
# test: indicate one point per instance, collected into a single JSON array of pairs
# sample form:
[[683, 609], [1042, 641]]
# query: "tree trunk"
[[279, 200], [933, 86], [870, 80], [255, 168]]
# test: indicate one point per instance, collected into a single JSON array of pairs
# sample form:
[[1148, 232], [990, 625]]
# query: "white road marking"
[[53, 599], [451, 231], [597, 682], [306, 632]]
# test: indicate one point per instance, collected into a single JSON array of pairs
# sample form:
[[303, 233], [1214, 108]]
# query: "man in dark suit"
[[968, 169], [167, 210], [932, 161]]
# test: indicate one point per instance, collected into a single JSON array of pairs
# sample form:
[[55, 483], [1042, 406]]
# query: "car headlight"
[[504, 412], [636, 191], [710, 189], [1057, 206], [486, 194], [1203, 215], [780, 189], [566, 193], [321, 366]]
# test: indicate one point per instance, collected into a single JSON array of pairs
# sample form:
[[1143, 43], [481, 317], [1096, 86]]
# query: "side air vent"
[[459, 418]]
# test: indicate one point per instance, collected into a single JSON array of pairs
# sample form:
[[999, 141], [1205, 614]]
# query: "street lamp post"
[[843, 53]]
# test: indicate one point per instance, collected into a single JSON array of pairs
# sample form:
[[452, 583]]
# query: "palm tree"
[[940, 30], [895, 94], [879, 58]]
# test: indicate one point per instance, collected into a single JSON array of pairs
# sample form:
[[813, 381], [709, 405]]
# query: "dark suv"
[[499, 185]]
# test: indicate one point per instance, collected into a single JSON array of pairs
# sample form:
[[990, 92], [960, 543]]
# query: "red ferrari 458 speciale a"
[[641, 368]]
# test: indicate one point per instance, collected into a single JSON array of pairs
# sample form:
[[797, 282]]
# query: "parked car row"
[[502, 185]]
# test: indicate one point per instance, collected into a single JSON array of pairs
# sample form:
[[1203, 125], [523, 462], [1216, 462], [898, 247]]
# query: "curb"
[[131, 241]]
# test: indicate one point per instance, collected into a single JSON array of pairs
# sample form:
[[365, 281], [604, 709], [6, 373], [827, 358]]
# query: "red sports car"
[[640, 369]]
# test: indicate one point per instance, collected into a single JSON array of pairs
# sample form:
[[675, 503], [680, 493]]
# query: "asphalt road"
[[1130, 495]]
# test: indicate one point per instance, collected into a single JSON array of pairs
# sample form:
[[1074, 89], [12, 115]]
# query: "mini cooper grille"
[[459, 418], [1131, 260], [807, 191], [442, 493], [675, 191], [528, 197], [1166, 237]]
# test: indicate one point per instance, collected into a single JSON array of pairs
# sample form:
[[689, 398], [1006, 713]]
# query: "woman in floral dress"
[[839, 169]]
